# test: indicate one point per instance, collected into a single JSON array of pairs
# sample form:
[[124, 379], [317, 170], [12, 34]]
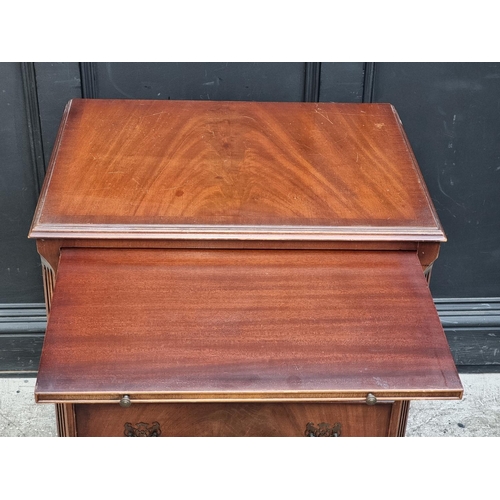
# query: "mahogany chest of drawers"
[[237, 269]]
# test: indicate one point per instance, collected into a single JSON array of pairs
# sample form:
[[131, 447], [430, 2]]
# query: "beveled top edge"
[[417, 170], [50, 168], [156, 231]]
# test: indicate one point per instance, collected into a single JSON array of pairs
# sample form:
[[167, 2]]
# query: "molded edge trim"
[[149, 231]]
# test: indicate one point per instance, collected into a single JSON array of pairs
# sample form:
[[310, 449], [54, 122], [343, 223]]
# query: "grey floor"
[[477, 414]]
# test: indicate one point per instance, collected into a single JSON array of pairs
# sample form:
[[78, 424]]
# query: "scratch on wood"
[[154, 114], [324, 116]]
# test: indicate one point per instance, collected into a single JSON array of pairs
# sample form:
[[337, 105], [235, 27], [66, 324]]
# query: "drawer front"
[[234, 419]]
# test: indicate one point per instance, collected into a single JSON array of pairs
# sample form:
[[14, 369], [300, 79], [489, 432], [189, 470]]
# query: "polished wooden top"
[[163, 325], [242, 170]]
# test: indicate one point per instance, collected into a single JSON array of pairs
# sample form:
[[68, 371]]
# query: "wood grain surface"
[[248, 170], [166, 325], [234, 419]]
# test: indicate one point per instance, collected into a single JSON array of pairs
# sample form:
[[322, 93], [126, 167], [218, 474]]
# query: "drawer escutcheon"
[[142, 430], [323, 430]]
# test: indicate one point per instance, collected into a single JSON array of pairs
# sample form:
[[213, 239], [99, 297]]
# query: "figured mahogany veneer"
[[233, 170], [166, 325], [238, 419]]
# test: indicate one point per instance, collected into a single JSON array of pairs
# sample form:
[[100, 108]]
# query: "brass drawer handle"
[[323, 430], [142, 430]]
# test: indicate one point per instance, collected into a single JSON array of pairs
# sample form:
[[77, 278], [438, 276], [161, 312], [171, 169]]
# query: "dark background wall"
[[450, 111]]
